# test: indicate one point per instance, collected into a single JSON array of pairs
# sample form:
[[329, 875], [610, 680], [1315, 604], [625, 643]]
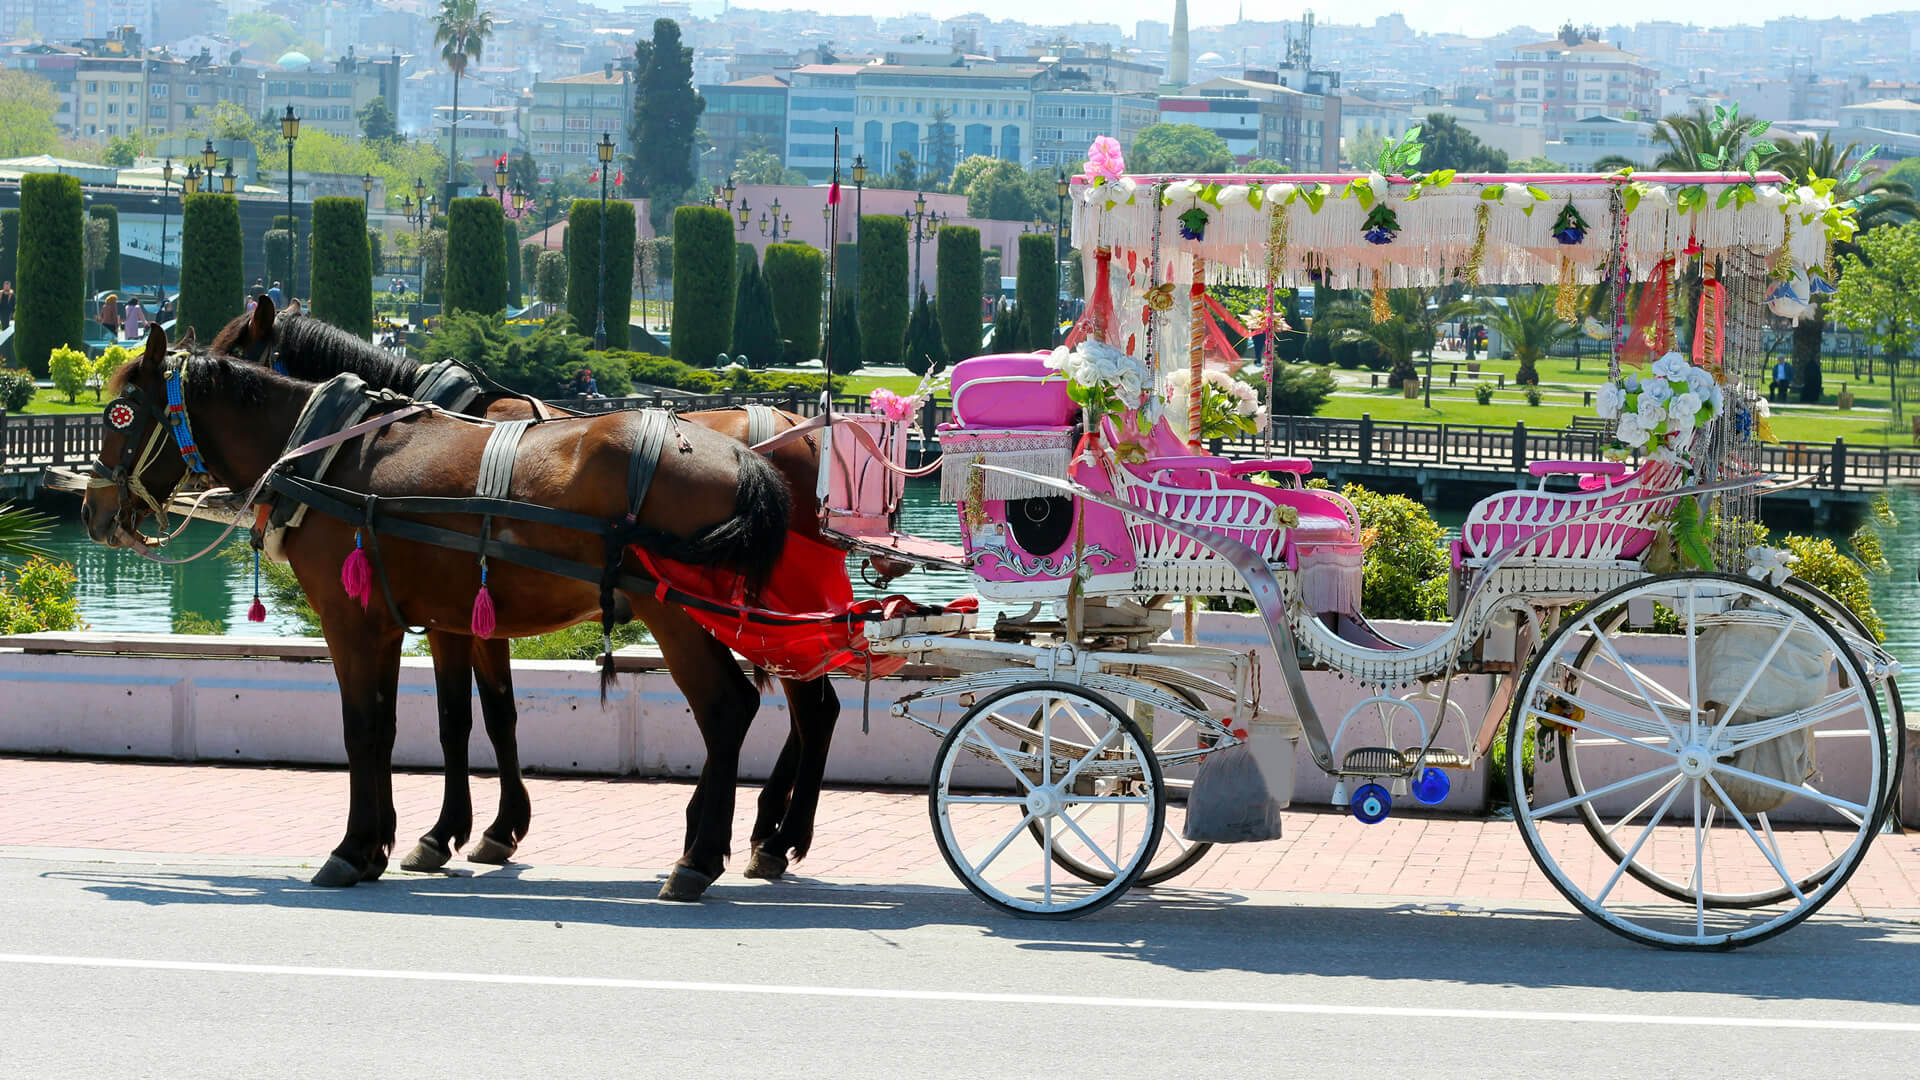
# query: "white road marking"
[[887, 994]]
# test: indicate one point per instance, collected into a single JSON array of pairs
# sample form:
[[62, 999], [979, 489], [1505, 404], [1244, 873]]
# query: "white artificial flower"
[[1761, 407], [1183, 195], [1377, 183], [1630, 432], [1631, 382], [1770, 196], [1278, 193], [1610, 400], [1659, 390], [1127, 384], [1121, 190], [1700, 381], [1684, 408], [1656, 197], [1770, 564], [1232, 195], [1671, 366], [1650, 411]]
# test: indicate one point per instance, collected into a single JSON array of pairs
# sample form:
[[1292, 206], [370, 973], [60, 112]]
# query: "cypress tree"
[[550, 277], [883, 287], [583, 269], [212, 290], [1006, 329], [530, 268], [342, 268], [1037, 292], [302, 248], [476, 270], [793, 276], [957, 272], [50, 290], [924, 350], [848, 270], [756, 329], [843, 335], [620, 241], [375, 257], [703, 284], [110, 274], [9, 244], [510, 254]]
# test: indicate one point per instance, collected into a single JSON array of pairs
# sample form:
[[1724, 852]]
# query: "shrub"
[[844, 351], [703, 283], [756, 334], [1037, 291], [1483, 394], [51, 283], [530, 267], [291, 223], [793, 276], [647, 370], [1403, 553], [958, 290], [550, 277], [1823, 565], [990, 273], [848, 269], [510, 254], [476, 270], [744, 255], [192, 622], [540, 364], [1299, 390], [111, 359], [583, 269], [883, 288], [376, 258], [1533, 395], [342, 267], [273, 247], [9, 245], [110, 272], [39, 597], [1318, 350], [16, 389], [925, 349], [69, 368], [1006, 330], [211, 283], [1352, 350], [433, 264]]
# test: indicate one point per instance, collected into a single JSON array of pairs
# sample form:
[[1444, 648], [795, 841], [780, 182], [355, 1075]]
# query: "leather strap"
[[496, 461], [647, 444], [760, 421]]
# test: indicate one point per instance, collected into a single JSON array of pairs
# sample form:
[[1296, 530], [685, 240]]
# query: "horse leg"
[[815, 708], [453, 681], [723, 702], [494, 679], [764, 860], [367, 664]]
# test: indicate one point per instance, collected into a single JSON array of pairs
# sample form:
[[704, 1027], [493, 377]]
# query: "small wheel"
[[1750, 712], [1372, 804], [1432, 787], [1038, 765], [1175, 854]]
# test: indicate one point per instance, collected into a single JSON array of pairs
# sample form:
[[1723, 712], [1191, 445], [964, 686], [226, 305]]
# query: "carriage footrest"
[[1374, 761], [1438, 758]]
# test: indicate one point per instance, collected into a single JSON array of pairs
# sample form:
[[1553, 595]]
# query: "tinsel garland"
[[1382, 311], [1196, 352], [1566, 299], [1276, 258], [1782, 259], [1471, 272], [974, 511], [1147, 311], [1668, 321], [1617, 274]]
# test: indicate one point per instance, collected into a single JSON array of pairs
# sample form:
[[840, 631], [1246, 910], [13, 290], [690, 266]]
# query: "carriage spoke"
[[1693, 659], [1844, 810], [975, 737], [1589, 796], [1185, 725], [1003, 800], [1699, 866], [1112, 730], [1046, 863], [1638, 842], [1851, 811], [1772, 853], [1555, 719], [1095, 848], [1079, 720], [1648, 801], [1645, 686], [981, 867], [1831, 707], [1092, 801], [1753, 678]]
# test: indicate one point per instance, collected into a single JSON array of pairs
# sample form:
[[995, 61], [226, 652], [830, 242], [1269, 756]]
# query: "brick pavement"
[[863, 836]]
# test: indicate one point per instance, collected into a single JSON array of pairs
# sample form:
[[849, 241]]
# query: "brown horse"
[[709, 501], [311, 350]]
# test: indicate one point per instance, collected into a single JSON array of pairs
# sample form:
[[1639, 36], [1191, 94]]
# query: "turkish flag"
[[620, 178], [595, 178]]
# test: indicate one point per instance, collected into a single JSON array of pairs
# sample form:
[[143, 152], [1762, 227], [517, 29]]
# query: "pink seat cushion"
[[1010, 391]]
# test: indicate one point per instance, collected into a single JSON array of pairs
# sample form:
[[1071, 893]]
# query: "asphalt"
[[138, 965]]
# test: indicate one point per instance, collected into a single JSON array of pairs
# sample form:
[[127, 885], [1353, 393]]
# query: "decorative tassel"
[[483, 620], [1196, 349], [1382, 311], [1478, 253], [356, 574], [258, 612], [1566, 300]]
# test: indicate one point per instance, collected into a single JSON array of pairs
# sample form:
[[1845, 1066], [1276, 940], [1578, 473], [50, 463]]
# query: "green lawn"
[[48, 402]]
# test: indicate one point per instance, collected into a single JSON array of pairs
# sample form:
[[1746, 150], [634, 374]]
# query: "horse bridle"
[[144, 422]]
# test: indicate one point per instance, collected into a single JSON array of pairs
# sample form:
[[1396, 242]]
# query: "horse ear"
[[155, 356], [262, 327]]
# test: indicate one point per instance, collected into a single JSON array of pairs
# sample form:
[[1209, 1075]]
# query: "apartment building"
[[1551, 84], [743, 115], [331, 100], [1260, 119], [569, 114], [1584, 142], [486, 132], [941, 113], [821, 101], [1065, 122]]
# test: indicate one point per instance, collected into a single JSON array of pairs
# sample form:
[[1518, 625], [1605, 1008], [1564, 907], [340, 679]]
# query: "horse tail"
[[749, 542]]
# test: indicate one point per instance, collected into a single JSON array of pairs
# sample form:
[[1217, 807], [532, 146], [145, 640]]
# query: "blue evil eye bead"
[[1432, 786], [1379, 236], [1371, 804]]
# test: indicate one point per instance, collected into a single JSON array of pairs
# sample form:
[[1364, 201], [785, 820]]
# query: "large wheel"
[[1175, 854], [1654, 729], [1608, 835], [1042, 767]]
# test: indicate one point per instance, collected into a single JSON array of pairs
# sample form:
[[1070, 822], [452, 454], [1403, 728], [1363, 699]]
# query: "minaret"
[[1178, 74]]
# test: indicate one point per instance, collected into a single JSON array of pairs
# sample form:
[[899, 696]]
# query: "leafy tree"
[[550, 276], [377, 123], [883, 288], [1406, 553], [1714, 140], [843, 335], [1001, 190], [523, 172], [50, 288], [27, 108], [756, 331], [461, 29], [1530, 326], [1037, 292], [1178, 148], [40, 597], [123, 150], [942, 147], [666, 115], [1398, 337], [1879, 291], [211, 281], [584, 269], [110, 360], [1450, 146], [765, 167], [794, 275], [530, 267], [433, 262], [926, 348], [1264, 166], [267, 37], [703, 283], [342, 265], [69, 370], [957, 272], [906, 171], [1612, 163]]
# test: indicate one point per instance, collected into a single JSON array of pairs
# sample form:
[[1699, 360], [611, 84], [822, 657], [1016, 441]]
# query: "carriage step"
[[1374, 761], [1438, 758]]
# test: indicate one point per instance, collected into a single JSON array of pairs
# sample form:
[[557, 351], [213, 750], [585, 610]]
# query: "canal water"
[[120, 591]]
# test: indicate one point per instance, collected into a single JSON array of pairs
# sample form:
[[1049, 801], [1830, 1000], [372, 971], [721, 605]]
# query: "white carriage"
[[1716, 749]]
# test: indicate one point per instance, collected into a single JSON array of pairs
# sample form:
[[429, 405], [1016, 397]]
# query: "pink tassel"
[[356, 574], [483, 621], [258, 612]]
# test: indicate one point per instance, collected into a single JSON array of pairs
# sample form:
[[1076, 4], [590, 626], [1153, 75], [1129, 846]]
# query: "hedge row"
[[645, 371], [794, 275], [703, 283], [211, 281], [476, 270], [583, 268], [50, 289], [883, 288], [958, 290], [1036, 291], [342, 265]]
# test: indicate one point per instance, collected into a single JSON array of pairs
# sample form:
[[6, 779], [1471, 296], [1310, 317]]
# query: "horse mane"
[[313, 351], [234, 379]]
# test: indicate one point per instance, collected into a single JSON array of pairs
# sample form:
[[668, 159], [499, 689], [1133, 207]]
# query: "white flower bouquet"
[[1228, 406], [1662, 408]]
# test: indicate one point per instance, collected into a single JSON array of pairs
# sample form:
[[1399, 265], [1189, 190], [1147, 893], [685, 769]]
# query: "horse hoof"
[[426, 856], [337, 873], [685, 885], [766, 865], [491, 851]]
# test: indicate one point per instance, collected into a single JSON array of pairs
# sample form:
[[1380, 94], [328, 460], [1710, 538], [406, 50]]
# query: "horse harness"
[[144, 423]]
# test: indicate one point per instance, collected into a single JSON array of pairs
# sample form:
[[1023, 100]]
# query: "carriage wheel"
[[1658, 761], [1175, 854], [1033, 739], [1608, 836]]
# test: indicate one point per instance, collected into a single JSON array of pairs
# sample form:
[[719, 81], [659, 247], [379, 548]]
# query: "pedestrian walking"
[[1782, 380], [279, 298], [6, 304], [110, 315], [136, 320]]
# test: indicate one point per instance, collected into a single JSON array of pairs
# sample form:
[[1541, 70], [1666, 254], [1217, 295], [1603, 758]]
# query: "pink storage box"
[[1010, 391]]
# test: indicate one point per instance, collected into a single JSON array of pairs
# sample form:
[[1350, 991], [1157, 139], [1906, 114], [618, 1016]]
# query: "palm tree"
[[1529, 323], [1692, 142], [21, 531], [1612, 163], [461, 30]]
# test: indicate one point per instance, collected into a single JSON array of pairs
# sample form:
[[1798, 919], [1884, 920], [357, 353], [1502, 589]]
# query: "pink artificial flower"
[[889, 404], [1104, 158]]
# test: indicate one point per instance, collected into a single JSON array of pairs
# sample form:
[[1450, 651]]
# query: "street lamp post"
[[227, 178], [366, 198], [859, 188], [777, 224], [290, 130], [826, 228], [1060, 188], [166, 192], [923, 225], [605, 149]]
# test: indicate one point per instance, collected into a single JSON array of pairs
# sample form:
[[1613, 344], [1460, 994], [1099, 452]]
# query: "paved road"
[[189, 966]]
